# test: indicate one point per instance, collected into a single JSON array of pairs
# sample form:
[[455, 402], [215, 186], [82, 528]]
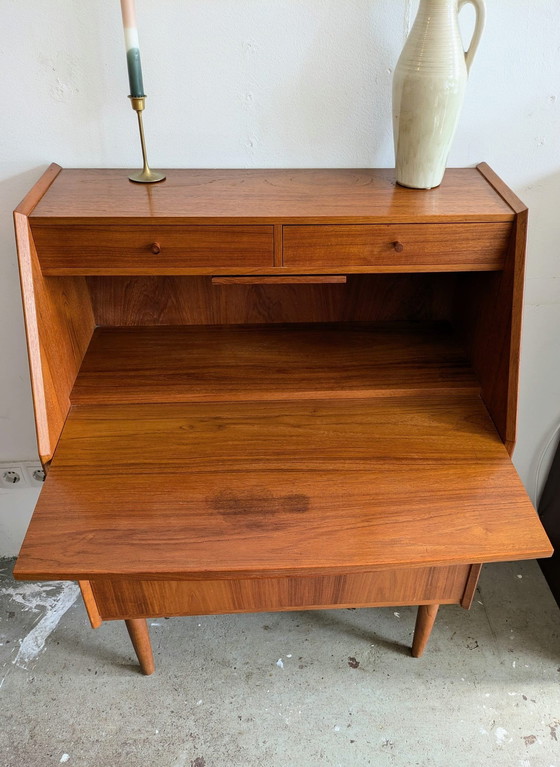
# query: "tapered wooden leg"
[[140, 636], [424, 624]]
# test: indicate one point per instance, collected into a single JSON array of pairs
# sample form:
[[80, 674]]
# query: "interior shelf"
[[272, 362]]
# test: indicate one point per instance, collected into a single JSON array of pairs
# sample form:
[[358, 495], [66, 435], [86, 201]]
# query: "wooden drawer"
[[398, 247], [116, 599], [151, 249]]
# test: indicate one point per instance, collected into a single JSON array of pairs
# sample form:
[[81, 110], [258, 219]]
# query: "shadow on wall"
[[539, 401], [12, 190], [17, 430]]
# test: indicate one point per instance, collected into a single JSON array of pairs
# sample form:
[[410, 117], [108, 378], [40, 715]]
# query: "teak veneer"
[[319, 367], [263, 362], [256, 488]]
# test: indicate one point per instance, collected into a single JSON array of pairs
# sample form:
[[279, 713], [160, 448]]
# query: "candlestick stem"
[[146, 175]]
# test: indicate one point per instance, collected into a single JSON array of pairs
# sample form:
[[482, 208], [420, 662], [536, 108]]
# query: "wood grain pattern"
[[195, 301], [504, 408], [470, 587], [489, 311], [288, 488], [121, 599], [271, 196], [144, 249], [429, 247], [424, 624], [278, 362], [278, 244], [140, 637], [59, 324], [90, 604]]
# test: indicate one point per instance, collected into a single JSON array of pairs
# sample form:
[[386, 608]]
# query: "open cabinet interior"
[[184, 338], [180, 339], [283, 404]]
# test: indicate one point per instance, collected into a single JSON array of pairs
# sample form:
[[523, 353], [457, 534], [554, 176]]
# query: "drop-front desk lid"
[[309, 486]]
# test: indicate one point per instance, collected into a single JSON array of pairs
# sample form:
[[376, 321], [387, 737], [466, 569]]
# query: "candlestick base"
[[146, 175]]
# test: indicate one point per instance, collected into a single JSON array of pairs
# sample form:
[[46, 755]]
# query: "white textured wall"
[[263, 83]]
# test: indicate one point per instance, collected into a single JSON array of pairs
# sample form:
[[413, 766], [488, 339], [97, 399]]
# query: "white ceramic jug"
[[428, 90]]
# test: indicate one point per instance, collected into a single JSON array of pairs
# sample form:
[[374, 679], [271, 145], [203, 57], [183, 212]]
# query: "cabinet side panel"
[[488, 311], [491, 307], [59, 324]]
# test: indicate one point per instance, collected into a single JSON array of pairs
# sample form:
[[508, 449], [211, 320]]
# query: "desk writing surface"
[[246, 489], [271, 195]]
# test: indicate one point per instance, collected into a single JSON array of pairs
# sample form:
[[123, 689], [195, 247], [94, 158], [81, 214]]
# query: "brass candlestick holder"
[[146, 175]]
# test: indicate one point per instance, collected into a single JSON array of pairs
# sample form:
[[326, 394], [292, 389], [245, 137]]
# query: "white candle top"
[[128, 13]]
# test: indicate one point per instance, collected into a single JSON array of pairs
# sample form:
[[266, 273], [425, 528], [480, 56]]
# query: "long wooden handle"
[[284, 279]]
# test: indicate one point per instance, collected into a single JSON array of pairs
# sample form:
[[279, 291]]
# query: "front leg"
[[424, 624], [140, 636]]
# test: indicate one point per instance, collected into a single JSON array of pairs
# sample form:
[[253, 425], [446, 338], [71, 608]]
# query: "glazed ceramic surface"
[[428, 90]]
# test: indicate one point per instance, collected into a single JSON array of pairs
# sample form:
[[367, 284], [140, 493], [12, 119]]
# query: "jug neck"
[[436, 6], [437, 17]]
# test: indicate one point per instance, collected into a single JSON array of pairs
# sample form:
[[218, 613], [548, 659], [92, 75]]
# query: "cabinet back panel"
[[195, 301]]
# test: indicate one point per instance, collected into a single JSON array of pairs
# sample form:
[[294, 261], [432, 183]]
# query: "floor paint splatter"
[[502, 735], [55, 599]]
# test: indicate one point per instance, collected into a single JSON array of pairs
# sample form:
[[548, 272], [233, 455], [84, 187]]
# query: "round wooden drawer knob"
[[156, 248], [398, 246]]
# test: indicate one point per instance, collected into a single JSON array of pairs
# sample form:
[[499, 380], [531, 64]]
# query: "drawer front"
[[118, 599], [398, 247], [147, 249]]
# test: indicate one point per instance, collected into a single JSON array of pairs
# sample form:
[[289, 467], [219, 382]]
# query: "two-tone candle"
[[132, 49]]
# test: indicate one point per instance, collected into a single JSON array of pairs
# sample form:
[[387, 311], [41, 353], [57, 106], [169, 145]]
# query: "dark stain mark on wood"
[[258, 508]]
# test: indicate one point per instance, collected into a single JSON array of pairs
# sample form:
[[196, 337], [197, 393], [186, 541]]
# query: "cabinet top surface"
[[271, 195]]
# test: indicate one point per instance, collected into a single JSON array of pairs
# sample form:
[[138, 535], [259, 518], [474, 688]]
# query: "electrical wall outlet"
[[35, 474], [20, 474], [12, 476]]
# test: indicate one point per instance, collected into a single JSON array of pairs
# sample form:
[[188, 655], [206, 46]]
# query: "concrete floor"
[[284, 689]]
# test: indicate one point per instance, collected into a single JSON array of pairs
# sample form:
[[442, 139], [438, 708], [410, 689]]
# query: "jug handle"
[[480, 9]]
